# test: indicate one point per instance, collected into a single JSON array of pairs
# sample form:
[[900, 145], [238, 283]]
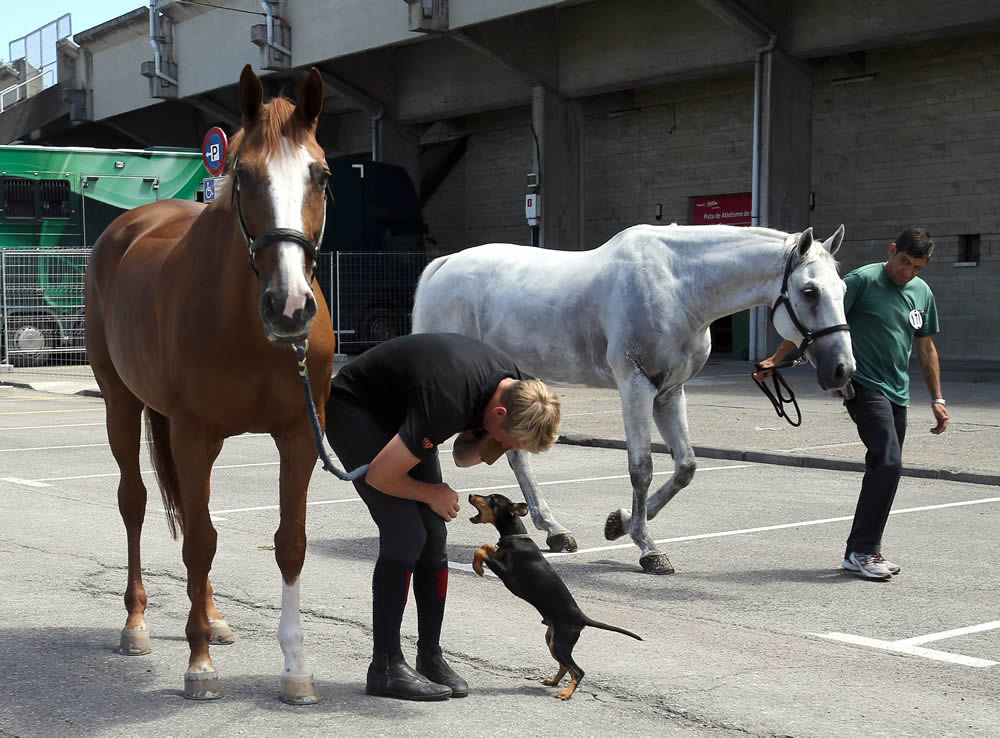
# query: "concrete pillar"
[[558, 128], [395, 147], [785, 161]]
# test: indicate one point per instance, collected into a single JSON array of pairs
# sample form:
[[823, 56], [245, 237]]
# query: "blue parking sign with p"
[[214, 150]]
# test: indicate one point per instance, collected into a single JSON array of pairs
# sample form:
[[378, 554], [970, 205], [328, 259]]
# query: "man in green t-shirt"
[[888, 307]]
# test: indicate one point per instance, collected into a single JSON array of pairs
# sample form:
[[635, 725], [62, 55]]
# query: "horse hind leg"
[[558, 537], [637, 394], [670, 416]]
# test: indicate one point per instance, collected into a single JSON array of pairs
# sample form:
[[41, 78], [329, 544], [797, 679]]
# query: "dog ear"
[[519, 508]]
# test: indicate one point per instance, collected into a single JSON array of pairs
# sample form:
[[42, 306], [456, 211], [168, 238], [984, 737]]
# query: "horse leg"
[[124, 425], [297, 451], [637, 408], [558, 538], [194, 452], [222, 634], [670, 415]]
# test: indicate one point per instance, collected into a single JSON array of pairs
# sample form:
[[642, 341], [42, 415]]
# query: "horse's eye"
[[810, 292], [322, 179]]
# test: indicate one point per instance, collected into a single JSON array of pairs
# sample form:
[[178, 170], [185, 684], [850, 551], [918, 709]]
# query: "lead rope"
[[300, 355], [783, 394]]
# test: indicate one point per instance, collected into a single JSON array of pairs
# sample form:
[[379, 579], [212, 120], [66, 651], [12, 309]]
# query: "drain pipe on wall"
[[376, 121], [758, 85], [154, 40]]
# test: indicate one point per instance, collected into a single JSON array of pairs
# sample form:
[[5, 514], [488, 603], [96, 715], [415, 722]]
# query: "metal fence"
[[369, 294]]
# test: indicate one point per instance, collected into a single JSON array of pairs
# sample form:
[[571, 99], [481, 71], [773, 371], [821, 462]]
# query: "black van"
[[375, 247]]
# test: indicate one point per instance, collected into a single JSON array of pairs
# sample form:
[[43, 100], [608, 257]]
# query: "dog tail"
[[605, 626]]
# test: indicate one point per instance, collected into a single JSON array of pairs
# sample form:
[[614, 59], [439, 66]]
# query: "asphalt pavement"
[[730, 418]]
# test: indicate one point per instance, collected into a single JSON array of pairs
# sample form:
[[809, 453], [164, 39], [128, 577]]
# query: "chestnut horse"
[[179, 324]]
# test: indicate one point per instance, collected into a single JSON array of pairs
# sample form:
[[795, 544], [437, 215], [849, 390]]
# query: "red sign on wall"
[[721, 210]]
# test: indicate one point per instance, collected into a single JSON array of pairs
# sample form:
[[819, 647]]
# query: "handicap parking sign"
[[210, 186], [214, 150]]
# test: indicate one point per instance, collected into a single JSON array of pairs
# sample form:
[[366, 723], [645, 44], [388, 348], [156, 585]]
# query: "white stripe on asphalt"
[[904, 646]]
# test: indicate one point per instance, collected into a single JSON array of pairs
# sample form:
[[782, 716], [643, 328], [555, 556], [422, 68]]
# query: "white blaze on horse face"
[[288, 173]]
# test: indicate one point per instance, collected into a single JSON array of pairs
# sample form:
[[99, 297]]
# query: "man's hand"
[[765, 369], [443, 500], [942, 418]]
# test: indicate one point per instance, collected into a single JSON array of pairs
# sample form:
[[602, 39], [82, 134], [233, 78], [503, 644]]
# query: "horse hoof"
[[298, 690], [561, 542], [202, 685], [656, 563], [222, 634], [135, 642], [613, 526]]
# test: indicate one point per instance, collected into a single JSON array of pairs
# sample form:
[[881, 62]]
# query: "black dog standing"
[[519, 564]]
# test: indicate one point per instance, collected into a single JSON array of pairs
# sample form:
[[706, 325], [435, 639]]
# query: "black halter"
[[808, 337], [783, 394], [266, 238]]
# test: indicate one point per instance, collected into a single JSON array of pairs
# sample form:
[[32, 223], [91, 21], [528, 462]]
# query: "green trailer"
[[54, 203]]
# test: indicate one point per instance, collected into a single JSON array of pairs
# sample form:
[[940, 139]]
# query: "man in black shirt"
[[391, 407]]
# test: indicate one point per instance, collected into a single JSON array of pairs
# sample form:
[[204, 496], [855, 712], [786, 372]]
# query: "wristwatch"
[[939, 401]]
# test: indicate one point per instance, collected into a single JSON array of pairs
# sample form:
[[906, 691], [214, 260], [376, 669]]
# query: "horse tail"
[[162, 457], [419, 323], [605, 626]]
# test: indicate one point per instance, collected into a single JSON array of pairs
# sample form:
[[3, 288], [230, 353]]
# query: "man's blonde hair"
[[533, 414]]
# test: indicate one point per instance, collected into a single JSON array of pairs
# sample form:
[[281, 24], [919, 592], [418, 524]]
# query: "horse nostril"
[[309, 310], [267, 303]]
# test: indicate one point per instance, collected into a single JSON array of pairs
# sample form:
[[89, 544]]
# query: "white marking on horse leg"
[[541, 515], [288, 173], [637, 408], [290, 631], [670, 416]]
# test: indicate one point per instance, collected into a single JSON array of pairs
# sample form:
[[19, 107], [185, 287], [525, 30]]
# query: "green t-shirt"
[[883, 318]]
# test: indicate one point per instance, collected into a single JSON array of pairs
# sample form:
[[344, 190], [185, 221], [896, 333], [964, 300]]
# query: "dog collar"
[[512, 536]]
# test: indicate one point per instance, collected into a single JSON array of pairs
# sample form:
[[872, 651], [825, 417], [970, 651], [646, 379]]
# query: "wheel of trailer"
[[28, 342], [381, 324]]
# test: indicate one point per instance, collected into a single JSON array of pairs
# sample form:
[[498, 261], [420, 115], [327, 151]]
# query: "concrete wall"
[[918, 146], [665, 91]]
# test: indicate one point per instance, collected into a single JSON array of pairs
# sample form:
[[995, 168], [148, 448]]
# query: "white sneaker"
[[870, 566], [894, 569]]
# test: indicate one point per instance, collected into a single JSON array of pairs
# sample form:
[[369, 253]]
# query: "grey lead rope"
[[300, 355]]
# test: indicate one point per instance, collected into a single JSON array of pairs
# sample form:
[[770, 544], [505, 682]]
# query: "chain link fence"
[[369, 294]]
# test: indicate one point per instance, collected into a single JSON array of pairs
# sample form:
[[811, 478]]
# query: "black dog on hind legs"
[[519, 564]]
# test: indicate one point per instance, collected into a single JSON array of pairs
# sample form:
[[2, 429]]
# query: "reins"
[[783, 394], [300, 355]]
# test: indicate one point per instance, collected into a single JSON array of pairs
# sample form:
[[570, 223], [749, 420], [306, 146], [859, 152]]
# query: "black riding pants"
[[412, 537], [882, 428]]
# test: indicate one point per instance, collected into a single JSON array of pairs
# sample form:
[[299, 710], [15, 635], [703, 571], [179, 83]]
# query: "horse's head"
[[279, 184], [809, 309]]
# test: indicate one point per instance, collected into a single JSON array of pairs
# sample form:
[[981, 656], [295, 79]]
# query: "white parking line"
[[61, 425], [911, 646]]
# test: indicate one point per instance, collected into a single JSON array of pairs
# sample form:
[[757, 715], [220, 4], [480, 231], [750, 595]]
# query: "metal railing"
[[13, 94], [369, 295]]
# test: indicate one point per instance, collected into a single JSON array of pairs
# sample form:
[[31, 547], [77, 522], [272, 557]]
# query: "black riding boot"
[[432, 665], [390, 676]]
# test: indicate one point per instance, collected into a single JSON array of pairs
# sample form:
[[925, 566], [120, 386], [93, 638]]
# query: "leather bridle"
[[274, 235], [808, 337]]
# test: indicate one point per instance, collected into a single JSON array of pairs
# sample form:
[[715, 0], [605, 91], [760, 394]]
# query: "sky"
[[23, 16]]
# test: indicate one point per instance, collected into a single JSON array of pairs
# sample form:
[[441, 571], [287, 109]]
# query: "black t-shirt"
[[428, 385]]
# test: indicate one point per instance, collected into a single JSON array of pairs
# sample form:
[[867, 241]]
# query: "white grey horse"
[[634, 314]]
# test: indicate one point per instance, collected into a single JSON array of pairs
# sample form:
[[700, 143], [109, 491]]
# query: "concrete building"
[[878, 115]]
